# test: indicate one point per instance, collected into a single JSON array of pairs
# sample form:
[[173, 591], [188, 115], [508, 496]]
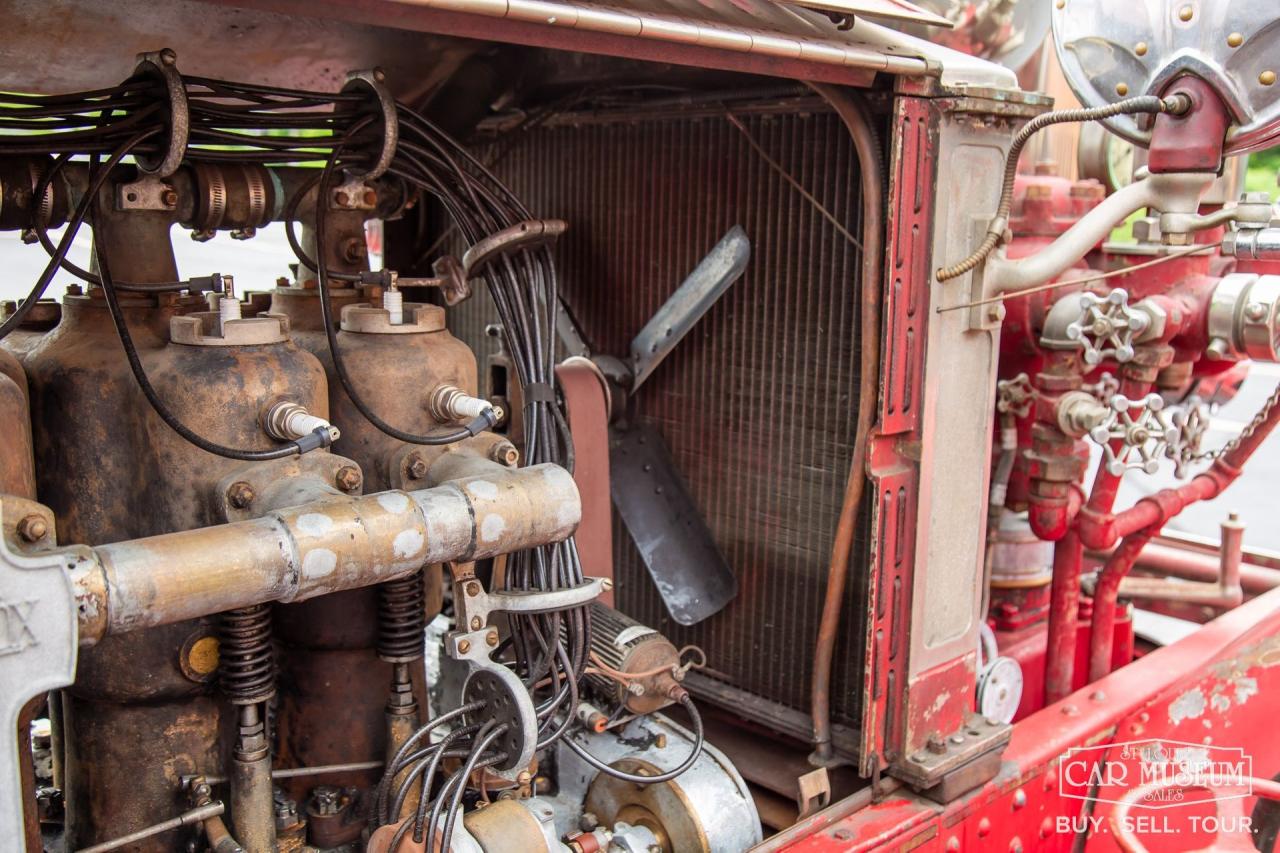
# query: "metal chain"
[[1249, 430]]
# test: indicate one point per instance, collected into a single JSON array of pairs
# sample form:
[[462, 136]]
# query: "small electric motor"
[[643, 666]]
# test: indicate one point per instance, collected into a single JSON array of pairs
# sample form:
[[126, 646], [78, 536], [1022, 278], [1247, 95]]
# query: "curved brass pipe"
[[865, 142]]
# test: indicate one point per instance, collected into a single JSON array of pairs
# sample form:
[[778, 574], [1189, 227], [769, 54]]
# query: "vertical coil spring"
[[401, 619], [246, 660]]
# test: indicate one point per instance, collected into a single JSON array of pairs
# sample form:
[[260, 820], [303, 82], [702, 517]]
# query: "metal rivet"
[[1019, 798], [1186, 13], [1235, 40], [1122, 89], [1267, 78], [1140, 48], [984, 828], [1070, 711], [1097, 696], [492, 638]]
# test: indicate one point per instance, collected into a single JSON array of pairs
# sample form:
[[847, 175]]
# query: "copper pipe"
[[868, 148]]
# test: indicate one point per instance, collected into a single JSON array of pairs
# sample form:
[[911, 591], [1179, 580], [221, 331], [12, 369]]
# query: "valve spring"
[[246, 660], [401, 619]]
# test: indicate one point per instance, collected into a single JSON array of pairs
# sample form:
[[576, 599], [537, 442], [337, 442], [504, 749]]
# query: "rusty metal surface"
[[756, 404], [17, 467], [68, 45]]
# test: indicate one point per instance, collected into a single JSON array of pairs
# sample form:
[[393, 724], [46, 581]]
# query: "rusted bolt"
[[416, 466], [348, 478], [240, 495], [370, 198], [491, 638], [464, 646], [473, 588], [505, 453], [169, 198], [476, 623], [354, 249], [341, 198], [33, 528], [168, 56], [936, 745]]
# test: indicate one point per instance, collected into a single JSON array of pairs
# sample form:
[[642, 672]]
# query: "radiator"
[[757, 404]]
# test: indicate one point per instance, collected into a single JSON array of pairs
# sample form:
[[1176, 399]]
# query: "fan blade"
[[688, 569], [722, 266]]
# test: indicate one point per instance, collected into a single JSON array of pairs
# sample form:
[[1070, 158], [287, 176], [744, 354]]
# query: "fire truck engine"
[[642, 426]]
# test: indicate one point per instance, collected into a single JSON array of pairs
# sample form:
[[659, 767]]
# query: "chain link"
[[1249, 430]]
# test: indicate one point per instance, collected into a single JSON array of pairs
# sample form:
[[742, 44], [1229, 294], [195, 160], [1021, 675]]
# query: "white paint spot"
[[393, 502], [314, 523], [492, 526], [1188, 706], [1219, 702], [1246, 688], [938, 703], [408, 543], [568, 515], [319, 563], [483, 489]]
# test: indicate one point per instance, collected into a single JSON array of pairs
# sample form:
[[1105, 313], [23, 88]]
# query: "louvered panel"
[[757, 402]]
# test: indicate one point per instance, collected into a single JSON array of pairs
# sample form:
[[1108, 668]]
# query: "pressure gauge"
[[1105, 157]]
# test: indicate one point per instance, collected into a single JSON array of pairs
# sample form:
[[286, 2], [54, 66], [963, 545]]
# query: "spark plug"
[[286, 421]]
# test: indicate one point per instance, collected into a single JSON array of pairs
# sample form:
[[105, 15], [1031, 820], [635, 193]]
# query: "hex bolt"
[[416, 466], [33, 528], [240, 495], [354, 249], [348, 478]]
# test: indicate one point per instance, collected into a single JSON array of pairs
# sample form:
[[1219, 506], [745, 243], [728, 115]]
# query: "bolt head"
[[491, 638], [1255, 311], [473, 588], [936, 745], [240, 495], [417, 467], [348, 478], [464, 646], [33, 528], [476, 624]]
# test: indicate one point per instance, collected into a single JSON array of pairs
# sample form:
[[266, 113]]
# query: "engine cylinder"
[[17, 467], [111, 469]]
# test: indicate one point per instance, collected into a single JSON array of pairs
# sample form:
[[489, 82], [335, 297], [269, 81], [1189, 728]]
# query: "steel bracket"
[[957, 763], [38, 641]]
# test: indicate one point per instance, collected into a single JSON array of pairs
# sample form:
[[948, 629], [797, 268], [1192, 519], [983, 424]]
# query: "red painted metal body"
[[1209, 687]]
